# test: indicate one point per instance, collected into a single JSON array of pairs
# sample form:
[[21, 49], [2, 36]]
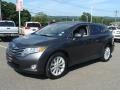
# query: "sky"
[[72, 7]]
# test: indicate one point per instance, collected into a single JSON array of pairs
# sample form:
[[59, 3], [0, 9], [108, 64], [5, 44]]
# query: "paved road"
[[93, 75]]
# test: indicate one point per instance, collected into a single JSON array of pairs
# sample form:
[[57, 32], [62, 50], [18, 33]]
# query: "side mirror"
[[78, 35]]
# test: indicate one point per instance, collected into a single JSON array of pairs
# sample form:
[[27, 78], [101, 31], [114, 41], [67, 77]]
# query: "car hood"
[[33, 40]]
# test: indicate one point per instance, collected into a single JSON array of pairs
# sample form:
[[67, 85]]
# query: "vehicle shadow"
[[36, 76], [78, 66], [40, 76], [117, 41], [7, 39]]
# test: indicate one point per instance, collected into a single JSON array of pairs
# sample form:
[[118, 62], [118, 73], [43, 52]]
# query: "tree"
[[96, 19], [85, 16], [9, 13], [41, 17]]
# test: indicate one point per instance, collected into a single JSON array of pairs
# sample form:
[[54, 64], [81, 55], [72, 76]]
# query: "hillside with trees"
[[9, 13]]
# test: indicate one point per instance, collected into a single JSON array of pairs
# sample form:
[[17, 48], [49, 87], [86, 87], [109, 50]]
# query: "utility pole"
[[91, 14], [116, 15], [0, 10], [86, 18], [103, 20], [66, 18], [19, 21], [19, 8], [91, 11]]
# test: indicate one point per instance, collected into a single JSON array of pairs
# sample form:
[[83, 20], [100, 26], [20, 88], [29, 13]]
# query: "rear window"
[[33, 25], [112, 28], [7, 24]]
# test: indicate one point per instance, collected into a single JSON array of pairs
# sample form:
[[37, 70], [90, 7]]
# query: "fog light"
[[33, 67]]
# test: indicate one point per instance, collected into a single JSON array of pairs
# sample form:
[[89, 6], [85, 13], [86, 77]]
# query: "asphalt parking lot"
[[94, 75]]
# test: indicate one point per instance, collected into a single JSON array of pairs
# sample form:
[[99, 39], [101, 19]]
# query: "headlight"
[[33, 50]]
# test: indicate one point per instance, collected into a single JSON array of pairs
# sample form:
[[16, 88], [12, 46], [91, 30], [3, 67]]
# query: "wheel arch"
[[109, 44], [63, 52]]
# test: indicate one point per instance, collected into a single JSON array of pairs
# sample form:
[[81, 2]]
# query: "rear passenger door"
[[97, 37], [82, 48]]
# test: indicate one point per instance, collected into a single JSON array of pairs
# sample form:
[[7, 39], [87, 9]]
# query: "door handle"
[[97, 40]]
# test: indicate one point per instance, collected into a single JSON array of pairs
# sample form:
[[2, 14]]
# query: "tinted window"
[[82, 29], [7, 24], [33, 25], [105, 29], [98, 29]]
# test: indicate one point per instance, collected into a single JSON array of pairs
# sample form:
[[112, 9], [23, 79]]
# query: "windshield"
[[57, 29], [33, 25], [7, 24]]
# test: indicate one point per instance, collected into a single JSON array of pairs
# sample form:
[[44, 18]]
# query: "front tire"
[[56, 66], [106, 54]]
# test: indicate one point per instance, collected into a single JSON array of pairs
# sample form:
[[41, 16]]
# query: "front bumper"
[[23, 64], [117, 37]]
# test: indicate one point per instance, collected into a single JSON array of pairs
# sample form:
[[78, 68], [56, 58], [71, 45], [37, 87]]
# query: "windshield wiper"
[[46, 35]]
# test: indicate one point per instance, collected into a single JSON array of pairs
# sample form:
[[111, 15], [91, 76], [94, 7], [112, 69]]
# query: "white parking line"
[[3, 46]]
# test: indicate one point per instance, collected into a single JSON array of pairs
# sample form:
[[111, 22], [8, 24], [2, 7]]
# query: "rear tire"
[[56, 66], [106, 54], [4, 39]]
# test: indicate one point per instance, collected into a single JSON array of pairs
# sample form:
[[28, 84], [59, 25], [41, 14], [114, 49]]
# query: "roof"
[[70, 22], [75, 23], [32, 22]]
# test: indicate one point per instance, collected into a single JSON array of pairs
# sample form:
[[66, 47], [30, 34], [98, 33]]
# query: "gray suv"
[[58, 46]]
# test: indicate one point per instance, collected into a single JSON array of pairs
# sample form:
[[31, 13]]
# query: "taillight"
[[27, 27]]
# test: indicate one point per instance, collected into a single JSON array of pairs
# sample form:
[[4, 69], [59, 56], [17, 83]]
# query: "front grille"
[[14, 50], [117, 35], [118, 32]]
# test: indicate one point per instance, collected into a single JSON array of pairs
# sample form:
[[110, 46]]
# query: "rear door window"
[[97, 29], [94, 30]]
